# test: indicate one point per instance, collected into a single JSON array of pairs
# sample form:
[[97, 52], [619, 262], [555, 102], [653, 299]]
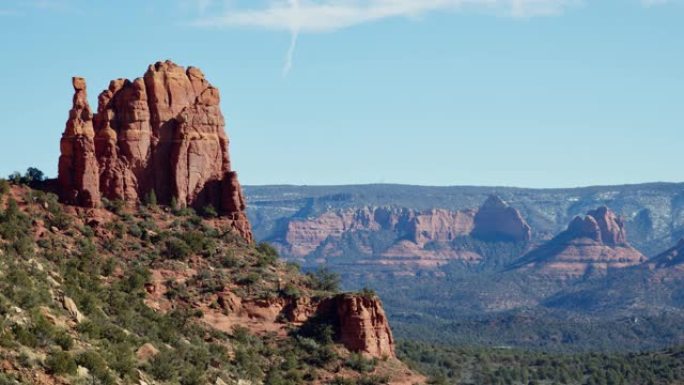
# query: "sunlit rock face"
[[163, 133], [591, 244]]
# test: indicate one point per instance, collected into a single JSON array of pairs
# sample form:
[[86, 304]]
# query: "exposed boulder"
[[497, 221], [163, 134], [146, 352], [71, 308]]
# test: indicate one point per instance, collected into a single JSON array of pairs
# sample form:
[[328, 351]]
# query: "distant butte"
[[591, 244], [497, 221], [163, 133]]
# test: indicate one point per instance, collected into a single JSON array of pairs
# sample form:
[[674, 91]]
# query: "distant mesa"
[[398, 239], [163, 133], [591, 244], [497, 221]]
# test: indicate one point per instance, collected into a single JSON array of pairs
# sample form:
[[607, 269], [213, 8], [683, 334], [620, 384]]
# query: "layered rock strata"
[[591, 244]]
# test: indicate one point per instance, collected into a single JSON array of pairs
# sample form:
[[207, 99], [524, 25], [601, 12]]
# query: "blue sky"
[[539, 93]]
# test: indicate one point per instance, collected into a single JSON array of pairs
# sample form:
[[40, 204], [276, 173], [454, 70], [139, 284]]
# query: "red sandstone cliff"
[[594, 243], [305, 236], [162, 133]]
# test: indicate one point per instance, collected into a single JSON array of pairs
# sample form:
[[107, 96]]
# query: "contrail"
[[294, 31], [290, 52]]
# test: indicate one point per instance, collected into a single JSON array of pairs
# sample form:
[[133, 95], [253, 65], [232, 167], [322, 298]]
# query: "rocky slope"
[[160, 134], [151, 295], [122, 282], [592, 244]]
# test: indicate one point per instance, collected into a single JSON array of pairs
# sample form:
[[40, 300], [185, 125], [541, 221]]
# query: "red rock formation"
[[363, 325], [303, 237], [611, 226], [439, 225], [586, 227], [594, 243], [78, 170], [497, 221], [163, 133]]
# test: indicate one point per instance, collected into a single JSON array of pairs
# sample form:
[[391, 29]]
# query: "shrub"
[[341, 381], [368, 293], [209, 211], [120, 358], [324, 279], [267, 250], [33, 175], [198, 242], [96, 365], [15, 177], [267, 254], [176, 248], [64, 340], [4, 187], [59, 362], [151, 199], [292, 291], [24, 336], [229, 260], [116, 206], [162, 367], [373, 380], [250, 279], [361, 364]]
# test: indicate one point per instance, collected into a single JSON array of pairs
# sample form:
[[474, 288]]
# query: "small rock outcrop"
[[593, 243], [497, 221], [71, 308], [161, 134], [359, 320], [363, 325]]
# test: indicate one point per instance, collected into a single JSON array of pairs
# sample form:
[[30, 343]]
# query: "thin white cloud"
[[316, 16], [294, 36], [329, 15], [653, 3]]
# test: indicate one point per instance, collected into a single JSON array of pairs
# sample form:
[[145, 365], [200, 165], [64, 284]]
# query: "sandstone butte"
[[165, 134], [593, 243], [497, 221]]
